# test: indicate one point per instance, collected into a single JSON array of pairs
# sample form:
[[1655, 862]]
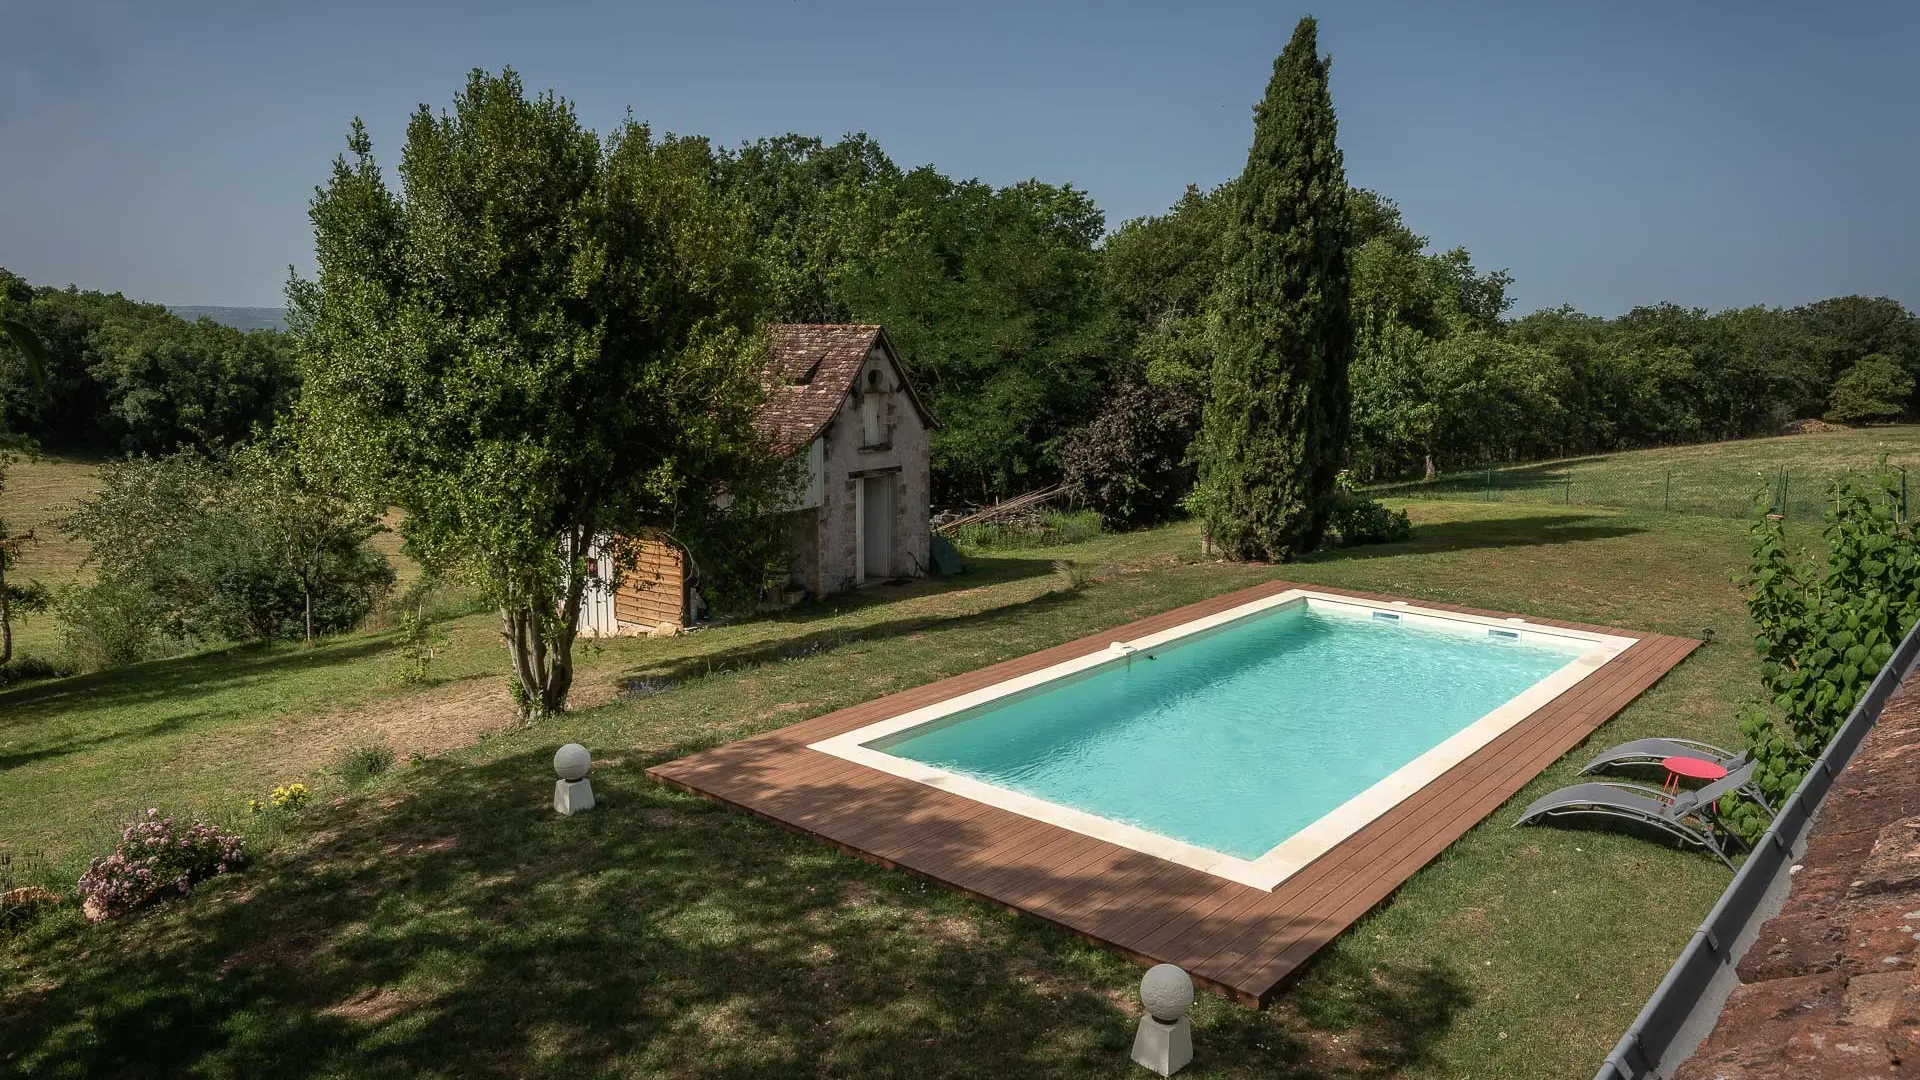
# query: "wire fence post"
[[1666, 493], [1568, 501], [1489, 483], [1903, 493], [1785, 478]]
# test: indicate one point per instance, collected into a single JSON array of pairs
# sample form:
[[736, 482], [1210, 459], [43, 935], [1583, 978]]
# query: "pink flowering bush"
[[156, 859]]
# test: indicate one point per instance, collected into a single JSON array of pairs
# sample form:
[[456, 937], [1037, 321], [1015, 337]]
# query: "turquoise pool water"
[[1237, 739]]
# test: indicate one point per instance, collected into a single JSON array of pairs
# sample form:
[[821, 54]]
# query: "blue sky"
[[1607, 154]]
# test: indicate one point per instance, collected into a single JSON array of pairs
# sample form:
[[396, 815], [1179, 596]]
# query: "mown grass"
[[38, 491], [1721, 479], [444, 922]]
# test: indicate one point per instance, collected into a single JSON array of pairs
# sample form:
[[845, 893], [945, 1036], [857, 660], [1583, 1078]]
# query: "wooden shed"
[[839, 395]]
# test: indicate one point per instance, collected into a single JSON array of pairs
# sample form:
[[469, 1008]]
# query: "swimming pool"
[[1247, 743]]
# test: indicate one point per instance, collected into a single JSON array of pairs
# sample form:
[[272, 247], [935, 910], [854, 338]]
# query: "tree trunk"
[[540, 636], [6, 614], [306, 592]]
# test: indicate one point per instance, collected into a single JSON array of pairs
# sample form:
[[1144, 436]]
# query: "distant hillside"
[[240, 318]]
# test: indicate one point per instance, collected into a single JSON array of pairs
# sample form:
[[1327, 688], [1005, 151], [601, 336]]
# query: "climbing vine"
[[1822, 631]]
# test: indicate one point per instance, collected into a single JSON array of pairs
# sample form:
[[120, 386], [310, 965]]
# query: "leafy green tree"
[[196, 549], [541, 340], [810, 208], [296, 523], [1875, 388], [106, 374], [1276, 425], [1130, 462]]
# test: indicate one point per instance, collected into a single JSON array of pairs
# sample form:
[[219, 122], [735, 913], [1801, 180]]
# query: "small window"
[[872, 431]]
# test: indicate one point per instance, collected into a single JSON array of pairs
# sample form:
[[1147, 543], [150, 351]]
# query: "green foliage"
[[1358, 520], [1130, 463], [1875, 388], [1276, 424], [192, 549], [1050, 528], [421, 640], [361, 763], [1824, 629], [25, 668], [110, 622], [542, 339], [993, 295], [110, 374]]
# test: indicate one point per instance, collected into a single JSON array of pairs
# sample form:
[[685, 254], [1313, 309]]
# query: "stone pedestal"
[[572, 796], [1162, 1047]]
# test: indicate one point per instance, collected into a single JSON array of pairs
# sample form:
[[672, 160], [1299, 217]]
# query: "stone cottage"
[[838, 395]]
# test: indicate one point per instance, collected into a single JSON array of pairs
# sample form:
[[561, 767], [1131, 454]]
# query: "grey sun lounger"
[[1650, 752], [1682, 816]]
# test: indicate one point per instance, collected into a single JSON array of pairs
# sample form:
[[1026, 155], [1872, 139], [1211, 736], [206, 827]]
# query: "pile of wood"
[[1017, 506]]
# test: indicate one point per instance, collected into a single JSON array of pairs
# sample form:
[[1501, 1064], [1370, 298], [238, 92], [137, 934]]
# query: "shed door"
[[876, 527]]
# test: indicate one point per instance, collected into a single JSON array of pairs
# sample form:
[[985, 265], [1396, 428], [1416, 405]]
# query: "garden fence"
[[1794, 495]]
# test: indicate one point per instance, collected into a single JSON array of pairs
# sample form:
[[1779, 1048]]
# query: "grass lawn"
[[1710, 478], [37, 492], [444, 922]]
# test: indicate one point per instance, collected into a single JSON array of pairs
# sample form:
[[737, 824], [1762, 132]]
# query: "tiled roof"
[[811, 366], [1830, 989]]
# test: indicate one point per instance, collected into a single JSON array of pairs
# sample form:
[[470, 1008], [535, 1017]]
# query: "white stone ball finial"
[[1167, 992], [571, 762]]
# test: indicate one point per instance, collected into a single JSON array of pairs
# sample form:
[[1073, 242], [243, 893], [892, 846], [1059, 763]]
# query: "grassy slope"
[[37, 492], [1715, 478], [449, 924]]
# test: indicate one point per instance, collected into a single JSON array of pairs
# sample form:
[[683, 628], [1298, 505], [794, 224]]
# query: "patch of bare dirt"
[[370, 1006]]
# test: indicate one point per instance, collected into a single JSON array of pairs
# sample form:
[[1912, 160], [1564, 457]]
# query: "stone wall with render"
[[1830, 988], [904, 454]]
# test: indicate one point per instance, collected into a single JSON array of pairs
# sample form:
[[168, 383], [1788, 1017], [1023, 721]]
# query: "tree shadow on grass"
[[183, 678], [799, 646], [451, 924], [163, 726], [460, 928], [1533, 530]]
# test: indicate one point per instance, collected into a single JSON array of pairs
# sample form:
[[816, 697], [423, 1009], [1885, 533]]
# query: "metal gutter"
[[1686, 1005]]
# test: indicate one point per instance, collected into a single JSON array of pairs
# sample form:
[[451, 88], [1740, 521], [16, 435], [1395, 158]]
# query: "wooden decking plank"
[[1234, 939]]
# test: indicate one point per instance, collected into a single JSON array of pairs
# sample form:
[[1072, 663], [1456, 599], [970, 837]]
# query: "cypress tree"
[[1275, 427]]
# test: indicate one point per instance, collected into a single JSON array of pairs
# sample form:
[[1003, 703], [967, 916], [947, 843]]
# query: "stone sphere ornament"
[[573, 792], [1163, 1044], [572, 761], [1167, 992]]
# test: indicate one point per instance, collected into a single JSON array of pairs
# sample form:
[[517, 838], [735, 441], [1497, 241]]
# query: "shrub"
[[24, 668], [1875, 388], [1130, 462], [1824, 629], [156, 859], [109, 623], [420, 639], [364, 762], [1073, 576], [1047, 529], [192, 549], [1358, 520]]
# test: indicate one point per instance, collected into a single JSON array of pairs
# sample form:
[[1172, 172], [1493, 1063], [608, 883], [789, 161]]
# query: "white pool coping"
[[1293, 854]]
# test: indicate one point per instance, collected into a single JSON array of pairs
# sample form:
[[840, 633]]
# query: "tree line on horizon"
[[1048, 347]]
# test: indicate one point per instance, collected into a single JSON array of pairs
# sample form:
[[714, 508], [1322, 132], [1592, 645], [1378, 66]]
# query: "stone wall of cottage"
[[901, 453]]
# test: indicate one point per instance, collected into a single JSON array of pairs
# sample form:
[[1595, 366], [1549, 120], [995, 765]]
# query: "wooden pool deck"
[[1236, 940]]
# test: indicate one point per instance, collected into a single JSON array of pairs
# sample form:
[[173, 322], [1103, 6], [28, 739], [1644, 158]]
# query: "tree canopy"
[[540, 340], [1275, 426]]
